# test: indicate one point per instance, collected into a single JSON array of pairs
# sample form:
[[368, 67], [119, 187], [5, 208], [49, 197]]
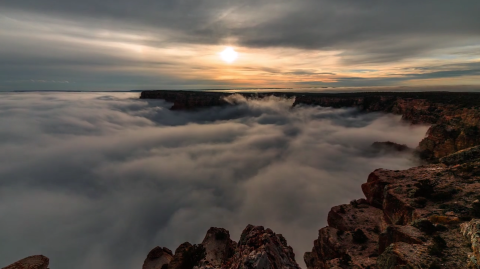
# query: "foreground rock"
[[471, 231], [218, 246], [410, 219], [157, 258], [463, 156], [262, 248], [32, 262], [257, 248]]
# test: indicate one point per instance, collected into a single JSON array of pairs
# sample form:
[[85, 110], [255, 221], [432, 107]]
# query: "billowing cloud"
[[95, 180]]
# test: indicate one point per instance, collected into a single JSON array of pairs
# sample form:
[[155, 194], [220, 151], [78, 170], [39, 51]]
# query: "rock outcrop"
[[157, 258], [262, 248], [471, 231], [187, 256], [410, 219], [218, 246], [32, 262], [462, 156], [388, 146], [258, 248]]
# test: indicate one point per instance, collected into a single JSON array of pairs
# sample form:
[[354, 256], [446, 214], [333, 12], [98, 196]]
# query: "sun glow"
[[229, 55]]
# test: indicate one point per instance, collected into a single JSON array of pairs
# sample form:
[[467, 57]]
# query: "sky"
[[97, 180], [107, 45]]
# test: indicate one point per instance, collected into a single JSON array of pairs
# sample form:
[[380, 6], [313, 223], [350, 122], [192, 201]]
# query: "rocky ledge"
[[32, 262], [423, 217], [257, 248]]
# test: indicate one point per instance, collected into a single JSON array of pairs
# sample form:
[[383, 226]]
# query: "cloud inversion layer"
[[96, 180]]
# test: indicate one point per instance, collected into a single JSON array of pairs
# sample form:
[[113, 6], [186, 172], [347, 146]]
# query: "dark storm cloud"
[[95, 180], [368, 31]]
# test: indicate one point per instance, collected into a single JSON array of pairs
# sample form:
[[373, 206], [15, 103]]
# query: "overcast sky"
[[175, 44]]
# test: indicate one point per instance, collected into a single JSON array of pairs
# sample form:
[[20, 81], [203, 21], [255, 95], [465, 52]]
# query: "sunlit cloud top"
[[171, 44]]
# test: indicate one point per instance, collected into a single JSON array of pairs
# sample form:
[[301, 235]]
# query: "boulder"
[[32, 262], [218, 246], [263, 249], [157, 258], [349, 217], [343, 249], [187, 256]]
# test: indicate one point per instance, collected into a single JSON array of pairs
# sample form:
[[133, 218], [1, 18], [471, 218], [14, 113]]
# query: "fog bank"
[[96, 180]]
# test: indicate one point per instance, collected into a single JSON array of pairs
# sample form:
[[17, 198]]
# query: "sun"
[[229, 55]]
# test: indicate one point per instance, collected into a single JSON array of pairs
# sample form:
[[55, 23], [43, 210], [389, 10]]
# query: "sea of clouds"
[[96, 180]]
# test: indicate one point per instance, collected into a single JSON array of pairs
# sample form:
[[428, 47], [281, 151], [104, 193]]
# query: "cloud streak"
[[173, 44]]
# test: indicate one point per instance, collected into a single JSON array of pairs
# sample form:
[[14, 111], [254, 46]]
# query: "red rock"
[[349, 218], [32, 262], [350, 241], [397, 233], [396, 209], [402, 255], [181, 259], [337, 247], [462, 156], [157, 258], [375, 187], [218, 246], [391, 195], [471, 231], [260, 248], [448, 220]]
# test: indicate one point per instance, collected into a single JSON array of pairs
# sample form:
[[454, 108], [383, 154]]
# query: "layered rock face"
[[258, 248], [455, 117], [32, 262], [409, 219]]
